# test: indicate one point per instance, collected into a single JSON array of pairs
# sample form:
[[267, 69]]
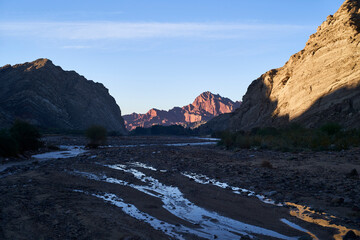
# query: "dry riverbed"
[[162, 187]]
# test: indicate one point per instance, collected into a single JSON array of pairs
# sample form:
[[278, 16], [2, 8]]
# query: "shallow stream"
[[206, 224]]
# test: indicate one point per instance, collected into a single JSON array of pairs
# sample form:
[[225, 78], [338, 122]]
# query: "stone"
[[353, 174], [51, 98], [350, 235], [348, 200], [337, 200], [319, 84]]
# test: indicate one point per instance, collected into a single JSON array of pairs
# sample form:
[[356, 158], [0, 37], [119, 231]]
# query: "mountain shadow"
[[341, 106], [318, 84], [257, 110]]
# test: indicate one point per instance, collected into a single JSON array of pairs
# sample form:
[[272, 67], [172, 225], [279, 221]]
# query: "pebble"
[[337, 200]]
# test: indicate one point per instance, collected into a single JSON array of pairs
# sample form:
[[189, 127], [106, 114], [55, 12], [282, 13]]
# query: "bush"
[[21, 137], [293, 138], [227, 139], [268, 131], [8, 145], [247, 141], [96, 135], [331, 128], [26, 135]]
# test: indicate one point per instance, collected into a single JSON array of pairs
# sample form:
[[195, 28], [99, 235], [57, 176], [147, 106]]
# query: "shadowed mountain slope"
[[49, 97], [317, 85]]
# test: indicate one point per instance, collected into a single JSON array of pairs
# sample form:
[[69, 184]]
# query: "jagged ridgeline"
[[206, 106], [319, 84], [51, 98]]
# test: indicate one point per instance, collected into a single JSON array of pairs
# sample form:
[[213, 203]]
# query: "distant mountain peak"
[[37, 64], [206, 94], [42, 62], [205, 106]]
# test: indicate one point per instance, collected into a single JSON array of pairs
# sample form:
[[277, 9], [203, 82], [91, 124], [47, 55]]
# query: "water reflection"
[[210, 224], [306, 214]]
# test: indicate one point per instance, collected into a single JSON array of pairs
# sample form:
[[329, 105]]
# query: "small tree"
[[26, 135], [96, 135], [331, 128], [8, 145]]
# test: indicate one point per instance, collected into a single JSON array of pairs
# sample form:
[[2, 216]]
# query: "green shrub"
[[8, 145], [320, 141], [268, 131], [331, 128], [247, 141], [227, 139], [255, 130], [26, 135], [294, 138], [96, 135], [241, 141]]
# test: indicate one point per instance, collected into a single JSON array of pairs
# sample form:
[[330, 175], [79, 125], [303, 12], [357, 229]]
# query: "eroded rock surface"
[[205, 107], [317, 85], [48, 96]]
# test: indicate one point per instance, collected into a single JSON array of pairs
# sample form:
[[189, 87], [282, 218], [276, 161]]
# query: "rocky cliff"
[[49, 97], [205, 107], [319, 84]]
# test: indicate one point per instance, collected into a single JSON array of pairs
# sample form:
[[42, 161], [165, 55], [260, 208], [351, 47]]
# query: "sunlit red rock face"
[[205, 107], [319, 84]]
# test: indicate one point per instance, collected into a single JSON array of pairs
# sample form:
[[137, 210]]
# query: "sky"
[[161, 53]]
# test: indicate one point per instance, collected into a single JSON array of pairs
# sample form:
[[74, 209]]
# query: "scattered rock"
[[266, 164], [353, 174], [337, 200], [350, 235]]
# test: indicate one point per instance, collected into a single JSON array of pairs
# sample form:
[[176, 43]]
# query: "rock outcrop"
[[319, 84], [205, 107], [51, 98]]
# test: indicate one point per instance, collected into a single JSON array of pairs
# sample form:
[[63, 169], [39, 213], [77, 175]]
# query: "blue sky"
[[161, 53]]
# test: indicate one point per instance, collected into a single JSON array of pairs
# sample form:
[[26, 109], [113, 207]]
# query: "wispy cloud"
[[76, 47], [140, 30]]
